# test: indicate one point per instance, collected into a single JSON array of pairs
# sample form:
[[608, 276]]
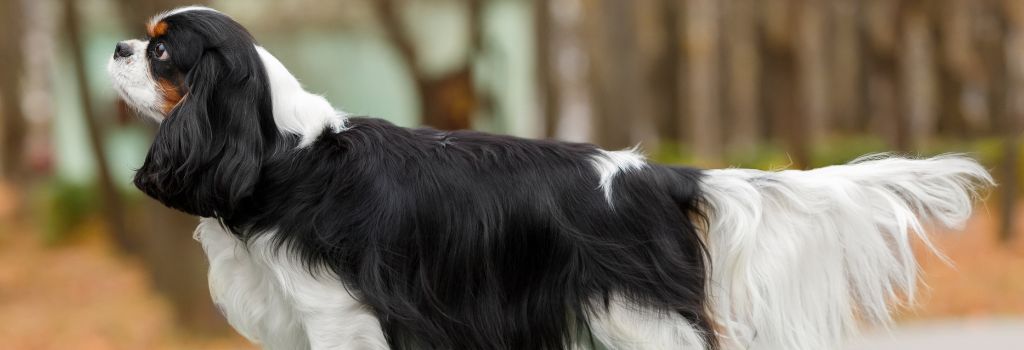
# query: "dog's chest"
[[269, 298], [244, 288]]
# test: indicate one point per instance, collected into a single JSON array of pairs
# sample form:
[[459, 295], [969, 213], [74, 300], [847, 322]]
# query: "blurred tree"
[[743, 75], [702, 86], [846, 65], [813, 70], [610, 41], [449, 100], [1014, 114], [651, 84], [568, 72], [39, 87], [780, 87], [668, 71], [989, 35], [13, 126], [917, 69], [884, 95], [113, 211], [960, 74], [177, 264], [547, 84]]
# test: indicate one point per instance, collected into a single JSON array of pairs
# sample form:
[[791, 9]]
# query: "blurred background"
[[88, 262]]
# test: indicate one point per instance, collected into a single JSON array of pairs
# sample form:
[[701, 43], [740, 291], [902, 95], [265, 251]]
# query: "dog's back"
[[469, 240]]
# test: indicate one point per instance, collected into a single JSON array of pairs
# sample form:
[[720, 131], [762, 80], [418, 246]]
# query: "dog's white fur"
[[797, 256], [134, 83], [269, 298], [627, 326], [297, 111], [611, 163]]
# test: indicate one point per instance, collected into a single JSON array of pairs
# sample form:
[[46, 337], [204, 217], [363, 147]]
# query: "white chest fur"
[[270, 299]]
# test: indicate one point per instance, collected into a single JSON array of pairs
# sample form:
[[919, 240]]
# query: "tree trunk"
[[884, 94], [670, 74], [650, 46], [611, 38], [917, 69], [848, 83], [744, 75], [449, 100], [112, 208], [813, 74], [703, 56], [1014, 116], [13, 126], [780, 85], [956, 61], [545, 61], [569, 43], [177, 265]]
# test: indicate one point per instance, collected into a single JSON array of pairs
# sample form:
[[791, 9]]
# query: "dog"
[[329, 231]]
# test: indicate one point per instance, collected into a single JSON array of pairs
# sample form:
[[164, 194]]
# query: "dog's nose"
[[122, 50]]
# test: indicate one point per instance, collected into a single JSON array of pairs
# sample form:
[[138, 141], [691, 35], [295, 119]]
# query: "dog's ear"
[[208, 152]]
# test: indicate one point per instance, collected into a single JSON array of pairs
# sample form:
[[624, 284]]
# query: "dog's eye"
[[160, 52]]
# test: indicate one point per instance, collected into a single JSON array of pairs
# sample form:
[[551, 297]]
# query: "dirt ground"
[[987, 334], [986, 278], [84, 295]]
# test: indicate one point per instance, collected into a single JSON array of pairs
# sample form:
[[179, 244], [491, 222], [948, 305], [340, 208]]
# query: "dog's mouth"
[[131, 79]]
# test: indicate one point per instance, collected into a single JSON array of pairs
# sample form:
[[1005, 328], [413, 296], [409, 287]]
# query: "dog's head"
[[200, 74]]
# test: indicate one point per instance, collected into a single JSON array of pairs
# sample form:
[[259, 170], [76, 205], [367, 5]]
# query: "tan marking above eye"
[[157, 29]]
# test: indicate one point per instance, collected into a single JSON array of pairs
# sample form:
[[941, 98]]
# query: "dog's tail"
[[798, 257]]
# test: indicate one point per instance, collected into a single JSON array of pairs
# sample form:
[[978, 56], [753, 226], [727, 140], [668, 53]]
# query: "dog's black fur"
[[208, 153]]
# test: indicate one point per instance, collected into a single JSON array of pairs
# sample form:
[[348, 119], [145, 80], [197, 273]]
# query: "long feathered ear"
[[207, 154]]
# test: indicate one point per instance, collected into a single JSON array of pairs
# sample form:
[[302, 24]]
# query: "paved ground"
[[946, 335]]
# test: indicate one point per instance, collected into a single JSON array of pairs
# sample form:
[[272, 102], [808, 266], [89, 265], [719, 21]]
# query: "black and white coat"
[[326, 231]]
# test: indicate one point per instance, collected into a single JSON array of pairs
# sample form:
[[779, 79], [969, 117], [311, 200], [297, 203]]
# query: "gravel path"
[[946, 335]]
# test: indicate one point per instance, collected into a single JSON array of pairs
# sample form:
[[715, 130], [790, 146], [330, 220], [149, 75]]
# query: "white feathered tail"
[[799, 257]]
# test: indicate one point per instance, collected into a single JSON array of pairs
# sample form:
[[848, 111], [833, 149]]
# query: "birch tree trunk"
[[569, 43]]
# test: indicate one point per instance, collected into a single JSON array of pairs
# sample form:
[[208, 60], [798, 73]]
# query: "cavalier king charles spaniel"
[[327, 231]]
